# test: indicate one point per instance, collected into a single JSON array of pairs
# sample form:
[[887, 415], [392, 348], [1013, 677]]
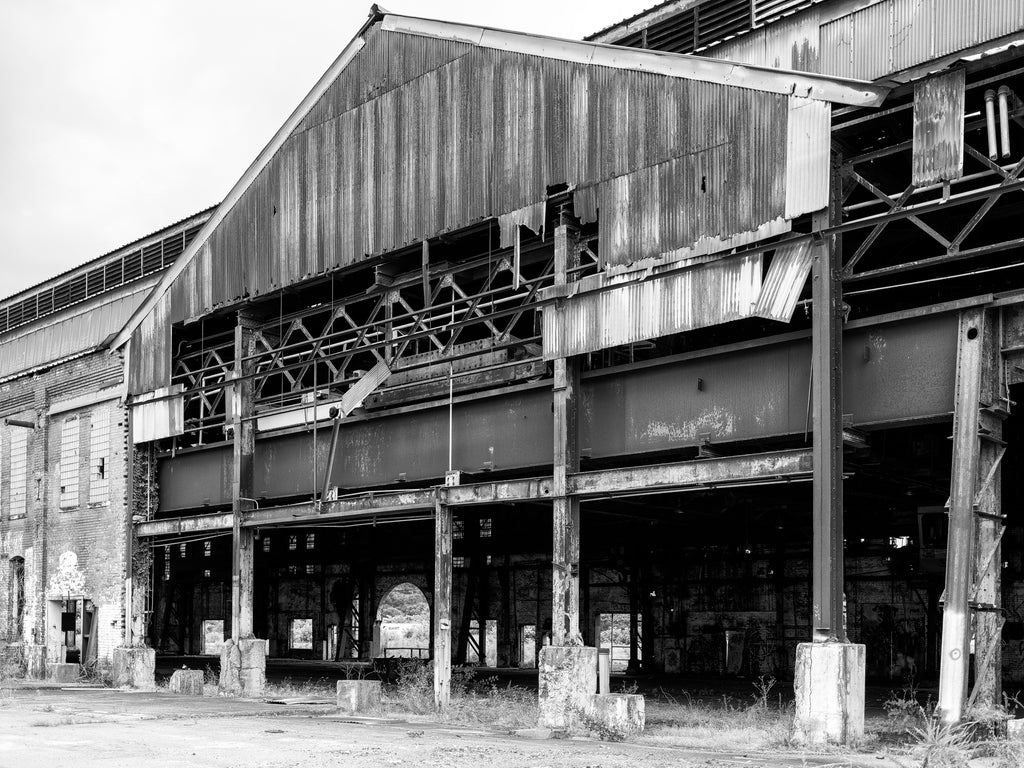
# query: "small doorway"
[[404, 620], [528, 646]]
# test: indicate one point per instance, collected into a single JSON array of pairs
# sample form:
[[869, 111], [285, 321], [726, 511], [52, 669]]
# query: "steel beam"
[[242, 481], [756, 468], [827, 405], [565, 560], [956, 619], [442, 604]]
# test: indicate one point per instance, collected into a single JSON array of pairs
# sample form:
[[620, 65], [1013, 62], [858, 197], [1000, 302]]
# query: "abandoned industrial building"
[[699, 341]]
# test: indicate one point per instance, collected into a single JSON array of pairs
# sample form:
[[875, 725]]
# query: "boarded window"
[[69, 463], [19, 471], [99, 459]]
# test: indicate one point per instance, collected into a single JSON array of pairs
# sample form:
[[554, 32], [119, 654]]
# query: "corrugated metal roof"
[[938, 146], [679, 148], [706, 295], [68, 334]]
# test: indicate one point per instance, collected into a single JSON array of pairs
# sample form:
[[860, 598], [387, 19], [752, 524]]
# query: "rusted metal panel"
[[705, 295], [789, 43], [938, 147], [808, 159], [149, 356], [69, 333], [786, 277]]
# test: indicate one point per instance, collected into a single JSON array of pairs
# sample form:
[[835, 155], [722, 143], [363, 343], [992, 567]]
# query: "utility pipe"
[[990, 123]]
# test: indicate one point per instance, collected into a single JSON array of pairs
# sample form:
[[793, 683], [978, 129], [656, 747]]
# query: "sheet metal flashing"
[[836, 90]]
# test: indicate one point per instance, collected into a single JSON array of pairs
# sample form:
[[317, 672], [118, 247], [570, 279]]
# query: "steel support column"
[[827, 404], [565, 586], [975, 522], [442, 604], [243, 442]]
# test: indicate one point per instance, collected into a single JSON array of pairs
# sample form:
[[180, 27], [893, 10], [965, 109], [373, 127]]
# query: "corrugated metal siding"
[[485, 134], [786, 277], [710, 294], [938, 152], [899, 34], [790, 43], [808, 158], [66, 335], [149, 354]]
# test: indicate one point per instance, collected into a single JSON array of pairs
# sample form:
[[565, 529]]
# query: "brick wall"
[[76, 549]]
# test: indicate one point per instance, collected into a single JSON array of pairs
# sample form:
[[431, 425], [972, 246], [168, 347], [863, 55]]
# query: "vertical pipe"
[[990, 122], [1004, 120]]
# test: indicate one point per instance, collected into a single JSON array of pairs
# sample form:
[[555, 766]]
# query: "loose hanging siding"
[[938, 153]]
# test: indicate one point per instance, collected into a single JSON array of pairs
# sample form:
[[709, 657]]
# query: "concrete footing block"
[[134, 668], [356, 697], [567, 678], [35, 662], [243, 667], [620, 713], [829, 686], [188, 682], [63, 673]]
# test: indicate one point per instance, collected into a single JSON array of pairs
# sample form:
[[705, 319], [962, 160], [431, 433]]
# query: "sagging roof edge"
[[836, 90]]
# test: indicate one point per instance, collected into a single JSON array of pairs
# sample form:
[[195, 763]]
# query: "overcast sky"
[[119, 117]]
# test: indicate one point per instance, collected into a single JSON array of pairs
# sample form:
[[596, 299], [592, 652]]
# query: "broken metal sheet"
[[938, 153], [786, 277], [158, 414], [530, 216], [308, 414], [705, 295], [808, 146]]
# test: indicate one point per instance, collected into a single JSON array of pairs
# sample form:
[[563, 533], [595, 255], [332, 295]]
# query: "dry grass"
[[296, 689], [724, 723], [473, 702]]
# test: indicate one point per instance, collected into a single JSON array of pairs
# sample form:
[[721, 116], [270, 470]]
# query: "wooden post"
[[565, 604], [827, 405], [442, 604], [244, 443]]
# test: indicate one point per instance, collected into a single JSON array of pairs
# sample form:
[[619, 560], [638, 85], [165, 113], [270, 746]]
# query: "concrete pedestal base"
[[188, 682], [359, 696], [63, 673], [568, 677], [35, 662], [134, 668], [829, 685], [620, 713], [243, 667]]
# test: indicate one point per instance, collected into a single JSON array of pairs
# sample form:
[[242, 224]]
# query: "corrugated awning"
[[60, 337]]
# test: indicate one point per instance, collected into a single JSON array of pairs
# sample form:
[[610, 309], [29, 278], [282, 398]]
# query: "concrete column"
[[829, 687], [442, 604]]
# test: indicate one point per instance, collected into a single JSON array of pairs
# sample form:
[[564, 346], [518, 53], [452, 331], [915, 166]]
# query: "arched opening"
[[17, 602], [404, 621]]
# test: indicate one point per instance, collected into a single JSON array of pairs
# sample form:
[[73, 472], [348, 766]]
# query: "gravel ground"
[[107, 728]]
